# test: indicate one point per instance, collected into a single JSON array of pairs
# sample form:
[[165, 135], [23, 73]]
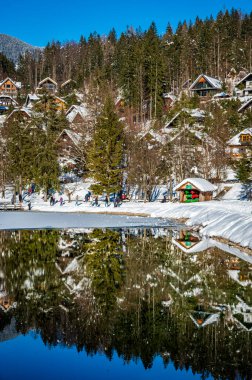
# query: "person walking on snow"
[[77, 200], [61, 201], [106, 201]]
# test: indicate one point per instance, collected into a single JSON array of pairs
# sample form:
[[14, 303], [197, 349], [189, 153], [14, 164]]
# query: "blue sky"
[[38, 22]]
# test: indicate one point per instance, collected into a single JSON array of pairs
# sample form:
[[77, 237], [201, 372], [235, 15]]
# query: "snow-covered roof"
[[74, 110], [221, 95], [156, 136], [22, 109], [9, 97], [47, 79], [67, 81], [200, 183], [195, 113], [31, 98], [243, 79], [216, 83], [236, 139], [167, 95], [75, 137], [245, 105], [17, 84]]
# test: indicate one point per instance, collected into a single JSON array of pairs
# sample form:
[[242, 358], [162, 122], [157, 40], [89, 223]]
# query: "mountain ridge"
[[13, 47]]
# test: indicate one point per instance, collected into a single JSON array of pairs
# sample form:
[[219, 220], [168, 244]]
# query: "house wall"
[[8, 88]]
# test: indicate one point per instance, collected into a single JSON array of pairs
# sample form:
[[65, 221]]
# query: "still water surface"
[[119, 304]]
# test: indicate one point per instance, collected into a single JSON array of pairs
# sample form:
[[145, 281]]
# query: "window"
[[245, 138]]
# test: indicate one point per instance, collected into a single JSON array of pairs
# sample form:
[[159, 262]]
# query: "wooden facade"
[[191, 193], [9, 87], [205, 86]]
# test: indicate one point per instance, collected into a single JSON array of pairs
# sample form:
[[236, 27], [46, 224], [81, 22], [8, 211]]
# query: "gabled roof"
[[67, 81], [75, 137], [243, 79], [60, 99], [215, 83], [9, 97], [236, 139], [16, 84], [195, 113], [31, 97], [207, 319], [200, 183], [245, 105], [23, 109], [47, 79], [74, 110]]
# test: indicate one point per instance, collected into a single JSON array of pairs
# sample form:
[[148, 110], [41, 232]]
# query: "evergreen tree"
[[106, 154]]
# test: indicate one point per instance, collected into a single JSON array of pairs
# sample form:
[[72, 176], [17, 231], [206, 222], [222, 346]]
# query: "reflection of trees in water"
[[131, 289]]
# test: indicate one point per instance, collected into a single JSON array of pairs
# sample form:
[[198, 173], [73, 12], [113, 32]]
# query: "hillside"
[[12, 47]]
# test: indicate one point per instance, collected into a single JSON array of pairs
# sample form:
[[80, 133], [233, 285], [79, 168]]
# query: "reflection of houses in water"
[[191, 243], [202, 319], [6, 303], [242, 314]]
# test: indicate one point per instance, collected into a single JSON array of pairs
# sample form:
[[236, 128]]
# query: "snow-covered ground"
[[229, 218]]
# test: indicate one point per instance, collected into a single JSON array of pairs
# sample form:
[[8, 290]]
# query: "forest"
[[139, 67]]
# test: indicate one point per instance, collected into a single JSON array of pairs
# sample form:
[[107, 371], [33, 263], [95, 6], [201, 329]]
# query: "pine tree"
[[106, 154]]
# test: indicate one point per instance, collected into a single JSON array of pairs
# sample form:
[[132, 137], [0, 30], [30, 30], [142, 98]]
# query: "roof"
[[216, 83], [245, 105], [167, 95], [236, 139], [23, 109], [9, 97], [195, 113], [31, 97], [47, 79], [67, 81], [243, 79], [200, 183], [75, 137], [74, 110], [17, 84]]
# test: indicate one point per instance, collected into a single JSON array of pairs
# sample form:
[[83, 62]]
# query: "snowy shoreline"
[[230, 220]]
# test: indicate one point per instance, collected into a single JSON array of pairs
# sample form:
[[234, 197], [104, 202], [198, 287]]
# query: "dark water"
[[120, 304]]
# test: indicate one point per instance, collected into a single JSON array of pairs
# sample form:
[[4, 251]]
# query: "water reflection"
[[138, 292]]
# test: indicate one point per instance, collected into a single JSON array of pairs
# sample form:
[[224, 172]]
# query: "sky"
[[40, 22]]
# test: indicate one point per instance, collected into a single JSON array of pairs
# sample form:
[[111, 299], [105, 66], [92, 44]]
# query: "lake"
[[144, 303]]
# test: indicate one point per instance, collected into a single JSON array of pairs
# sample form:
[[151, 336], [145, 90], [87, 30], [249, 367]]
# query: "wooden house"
[[195, 190], [31, 99], [189, 117], [202, 319], [68, 147], [169, 100], [8, 101], [245, 86], [205, 86], [78, 118], [19, 114], [59, 103], [47, 84], [240, 145], [10, 88]]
